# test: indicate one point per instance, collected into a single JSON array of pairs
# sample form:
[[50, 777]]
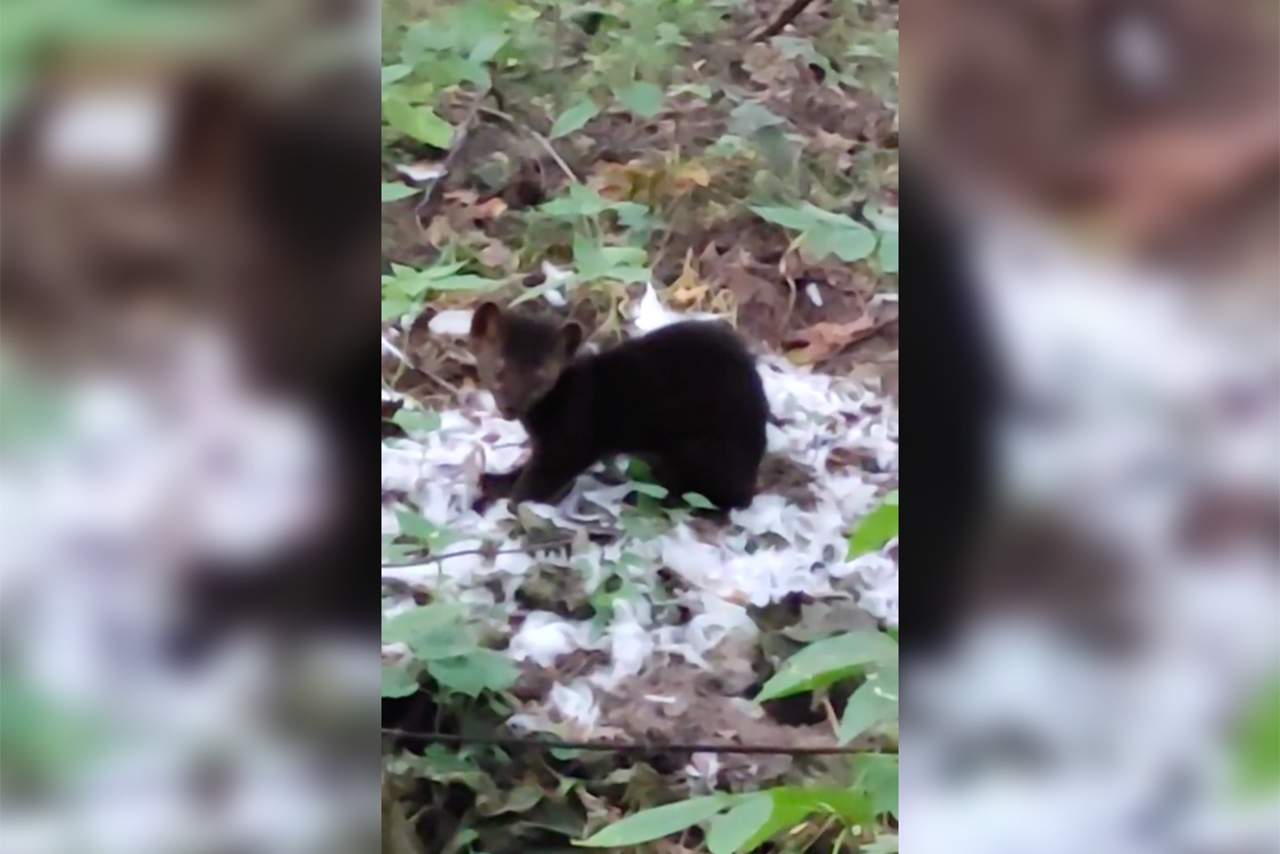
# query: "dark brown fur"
[[686, 398]]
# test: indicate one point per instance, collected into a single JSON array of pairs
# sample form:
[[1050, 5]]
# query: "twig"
[[628, 747], [792, 290], [553, 544], [537, 137], [425, 209], [778, 24], [392, 349]]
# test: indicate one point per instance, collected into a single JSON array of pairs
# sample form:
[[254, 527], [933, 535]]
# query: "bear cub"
[[686, 399]]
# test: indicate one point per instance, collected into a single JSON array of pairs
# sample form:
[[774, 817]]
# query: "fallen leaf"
[[687, 290], [439, 232], [488, 210], [618, 182], [691, 175], [497, 256], [462, 197], [825, 339]]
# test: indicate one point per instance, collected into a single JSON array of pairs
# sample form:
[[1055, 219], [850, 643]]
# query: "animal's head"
[[519, 357]]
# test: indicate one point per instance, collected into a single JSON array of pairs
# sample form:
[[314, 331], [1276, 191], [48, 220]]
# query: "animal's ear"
[[571, 335], [484, 323]]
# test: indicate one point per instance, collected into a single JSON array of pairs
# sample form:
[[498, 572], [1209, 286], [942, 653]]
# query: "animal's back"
[[688, 380]]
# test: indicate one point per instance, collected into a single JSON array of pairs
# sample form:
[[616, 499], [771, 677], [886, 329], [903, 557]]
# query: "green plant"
[[873, 655], [876, 528], [594, 260], [444, 645], [43, 742], [739, 823], [555, 83], [406, 290], [822, 233], [1257, 745]]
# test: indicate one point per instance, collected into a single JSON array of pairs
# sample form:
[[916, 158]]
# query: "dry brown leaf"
[[462, 197], [766, 65], [440, 232], [825, 339], [497, 256], [688, 290], [618, 182], [689, 176], [489, 210]]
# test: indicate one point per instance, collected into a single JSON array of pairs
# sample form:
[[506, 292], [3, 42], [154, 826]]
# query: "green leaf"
[[487, 47], [394, 192], [408, 626], [439, 271], [421, 529], [521, 799], [875, 702], [639, 471], [414, 421], [850, 241], [420, 123], [394, 73], [618, 263], [393, 552], [651, 824], [793, 804], [851, 806], [1257, 747], [581, 201], [787, 810], [876, 528], [397, 681], [877, 775], [888, 255], [416, 283], [730, 832], [699, 90], [395, 308], [643, 99], [792, 218], [637, 219], [464, 283], [828, 661], [533, 293], [574, 118], [650, 489], [629, 275], [474, 673], [43, 738], [749, 118], [693, 499]]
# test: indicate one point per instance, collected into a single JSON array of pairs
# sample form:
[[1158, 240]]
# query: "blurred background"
[[1115, 165], [188, 223], [185, 659]]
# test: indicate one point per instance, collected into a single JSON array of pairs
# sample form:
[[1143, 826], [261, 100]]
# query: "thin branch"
[[482, 551], [628, 747], [538, 138], [778, 24], [426, 208]]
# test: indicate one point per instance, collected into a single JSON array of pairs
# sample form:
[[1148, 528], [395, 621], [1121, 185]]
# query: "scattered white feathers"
[[773, 549]]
